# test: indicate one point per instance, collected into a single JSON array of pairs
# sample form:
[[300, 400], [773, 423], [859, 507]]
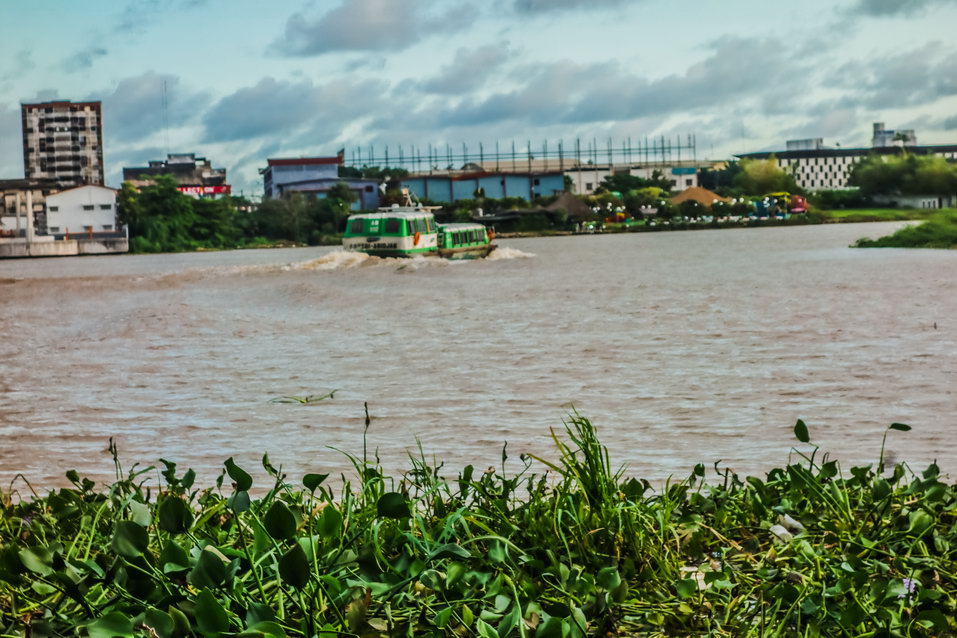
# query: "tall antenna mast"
[[166, 116]]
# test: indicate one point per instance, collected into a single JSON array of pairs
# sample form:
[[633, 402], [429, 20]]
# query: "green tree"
[[758, 177], [720, 179], [340, 198], [162, 219], [624, 183], [165, 217], [907, 174]]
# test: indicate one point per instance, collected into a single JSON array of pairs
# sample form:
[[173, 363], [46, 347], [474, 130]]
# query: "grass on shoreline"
[[938, 231], [580, 549], [855, 215]]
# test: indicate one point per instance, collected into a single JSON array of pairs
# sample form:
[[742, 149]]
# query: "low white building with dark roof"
[[83, 211]]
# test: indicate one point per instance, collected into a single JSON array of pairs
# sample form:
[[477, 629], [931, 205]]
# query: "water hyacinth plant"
[[579, 549]]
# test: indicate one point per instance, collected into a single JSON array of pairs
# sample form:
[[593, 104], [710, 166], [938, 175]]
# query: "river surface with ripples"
[[681, 347]]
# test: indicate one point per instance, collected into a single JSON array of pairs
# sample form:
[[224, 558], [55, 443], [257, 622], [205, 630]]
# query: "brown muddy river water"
[[681, 348]]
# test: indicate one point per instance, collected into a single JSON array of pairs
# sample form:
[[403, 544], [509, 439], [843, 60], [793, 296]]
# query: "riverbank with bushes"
[[863, 215], [568, 548], [938, 231]]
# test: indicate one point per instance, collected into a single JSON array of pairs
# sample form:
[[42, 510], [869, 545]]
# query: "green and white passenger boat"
[[464, 241], [410, 230], [400, 231]]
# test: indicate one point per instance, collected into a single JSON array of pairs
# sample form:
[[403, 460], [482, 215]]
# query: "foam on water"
[[507, 252], [344, 260], [336, 260]]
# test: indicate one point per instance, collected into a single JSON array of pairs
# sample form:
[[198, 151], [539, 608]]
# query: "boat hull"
[[467, 252]]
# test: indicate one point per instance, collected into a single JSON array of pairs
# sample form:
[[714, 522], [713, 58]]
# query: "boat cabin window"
[[391, 226], [356, 227]]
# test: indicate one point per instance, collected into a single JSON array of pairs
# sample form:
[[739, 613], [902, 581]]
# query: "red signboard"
[[225, 189]]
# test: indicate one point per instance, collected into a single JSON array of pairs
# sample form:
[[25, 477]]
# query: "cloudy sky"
[[246, 79]]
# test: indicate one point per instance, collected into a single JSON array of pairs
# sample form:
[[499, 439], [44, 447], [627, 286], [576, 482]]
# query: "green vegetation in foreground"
[[939, 231], [809, 550], [162, 219], [879, 214]]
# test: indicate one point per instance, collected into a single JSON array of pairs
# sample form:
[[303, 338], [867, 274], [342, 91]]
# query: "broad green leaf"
[[510, 621], [10, 564], [900, 427], [210, 615], [141, 514], [175, 515], [935, 618], [441, 619], [173, 558], [496, 551], [42, 588], [180, 620], [485, 630], [809, 606], [800, 431], [687, 587], [279, 521], [294, 567], [267, 629], [450, 550], [257, 613], [920, 521], [579, 617], [554, 627], [313, 481], [130, 539], [330, 522], [91, 564], [242, 479], [239, 501], [209, 571], [111, 625], [38, 560], [454, 572], [160, 622], [609, 578], [392, 505], [881, 490]]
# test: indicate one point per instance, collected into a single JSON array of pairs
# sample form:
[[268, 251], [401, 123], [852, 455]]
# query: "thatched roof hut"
[[701, 195]]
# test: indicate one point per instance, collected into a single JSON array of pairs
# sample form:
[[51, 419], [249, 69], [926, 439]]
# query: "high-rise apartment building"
[[63, 141]]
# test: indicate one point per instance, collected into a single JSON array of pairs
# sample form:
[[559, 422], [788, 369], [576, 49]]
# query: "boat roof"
[[391, 213], [461, 226]]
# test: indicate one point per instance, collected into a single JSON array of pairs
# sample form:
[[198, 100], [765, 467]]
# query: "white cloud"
[[369, 25]]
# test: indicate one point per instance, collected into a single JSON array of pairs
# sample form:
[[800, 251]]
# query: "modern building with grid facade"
[[819, 167]]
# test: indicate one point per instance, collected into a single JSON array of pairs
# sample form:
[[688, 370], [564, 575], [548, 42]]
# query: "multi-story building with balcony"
[[63, 142], [194, 175]]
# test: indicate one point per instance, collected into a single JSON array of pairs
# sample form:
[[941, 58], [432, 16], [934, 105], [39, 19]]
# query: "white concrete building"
[[586, 178], [83, 211]]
